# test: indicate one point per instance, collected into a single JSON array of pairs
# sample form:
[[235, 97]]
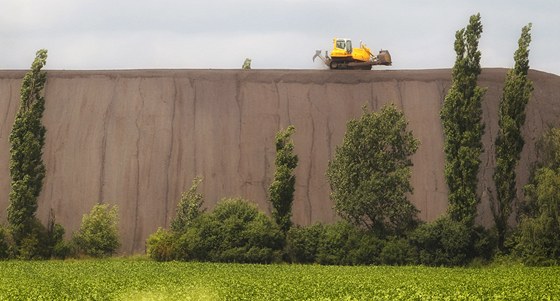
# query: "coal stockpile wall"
[[137, 138]]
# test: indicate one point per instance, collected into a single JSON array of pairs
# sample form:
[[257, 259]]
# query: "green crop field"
[[125, 279]]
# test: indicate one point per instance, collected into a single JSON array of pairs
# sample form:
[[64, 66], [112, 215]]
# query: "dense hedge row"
[[235, 231]]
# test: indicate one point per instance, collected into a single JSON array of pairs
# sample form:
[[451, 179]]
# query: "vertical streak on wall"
[[106, 116], [174, 102]]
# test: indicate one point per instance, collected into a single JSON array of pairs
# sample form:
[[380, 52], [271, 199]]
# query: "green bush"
[[62, 249], [29, 248], [344, 244], [442, 242], [39, 243], [302, 243], [200, 241], [364, 248], [235, 231], [397, 251], [54, 244], [34, 245], [538, 241], [160, 246], [332, 245], [484, 243], [44, 243], [5, 243], [98, 235]]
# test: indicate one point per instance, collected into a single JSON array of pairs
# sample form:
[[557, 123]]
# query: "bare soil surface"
[[137, 138]]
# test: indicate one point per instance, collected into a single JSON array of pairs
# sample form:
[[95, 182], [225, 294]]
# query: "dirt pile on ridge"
[[137, 138]]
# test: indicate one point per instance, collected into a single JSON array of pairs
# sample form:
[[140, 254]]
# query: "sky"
[[275, 34]]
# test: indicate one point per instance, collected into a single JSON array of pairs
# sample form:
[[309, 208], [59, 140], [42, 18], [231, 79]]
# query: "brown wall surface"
[[137, 138]]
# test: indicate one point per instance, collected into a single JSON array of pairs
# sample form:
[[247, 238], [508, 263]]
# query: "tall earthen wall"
[[137, 138]]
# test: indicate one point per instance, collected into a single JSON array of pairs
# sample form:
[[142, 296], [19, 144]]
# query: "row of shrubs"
[[235, 231], [443, 242], [97, 237]]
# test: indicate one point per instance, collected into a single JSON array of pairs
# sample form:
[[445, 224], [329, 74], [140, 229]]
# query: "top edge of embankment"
[[303, 76]]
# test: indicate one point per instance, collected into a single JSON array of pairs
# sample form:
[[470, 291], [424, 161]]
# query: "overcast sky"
[[275, 34]]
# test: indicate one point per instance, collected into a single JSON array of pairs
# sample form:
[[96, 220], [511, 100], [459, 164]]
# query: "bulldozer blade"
[[383, 58]]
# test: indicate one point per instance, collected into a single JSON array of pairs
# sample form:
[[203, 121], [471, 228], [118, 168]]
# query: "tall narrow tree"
[[461, 117], [282, 189], [27, 139], [509, 142]]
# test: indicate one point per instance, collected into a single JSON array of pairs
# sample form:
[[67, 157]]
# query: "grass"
[[126, 279]]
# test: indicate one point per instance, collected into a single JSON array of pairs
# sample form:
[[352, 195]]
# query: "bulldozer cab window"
[[340, 44], [349, 46]]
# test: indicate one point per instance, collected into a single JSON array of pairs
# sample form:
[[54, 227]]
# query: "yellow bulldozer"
[[343, 56]]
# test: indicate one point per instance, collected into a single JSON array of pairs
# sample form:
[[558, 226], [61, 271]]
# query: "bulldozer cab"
[[342, 47], [344, 44]]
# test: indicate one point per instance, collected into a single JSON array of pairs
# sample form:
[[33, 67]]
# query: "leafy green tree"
[[188, 208], [538, 239], [461, 117], [98, 235], [509, 142], [282, 189], [27, 140], [370, 173]]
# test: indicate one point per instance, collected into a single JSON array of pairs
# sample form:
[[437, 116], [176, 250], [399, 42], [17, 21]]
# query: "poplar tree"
[[509, 142], [461, 117], [27, 139], [281, 191]]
